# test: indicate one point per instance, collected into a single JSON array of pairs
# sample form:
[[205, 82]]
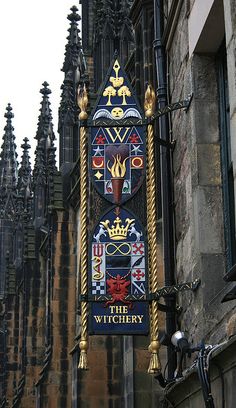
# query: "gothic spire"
[[24, 178], [45, 127], [74, 68], [73, 47], [68, 108], [52, 160], [8, 163], [39, 172], [45, 137]]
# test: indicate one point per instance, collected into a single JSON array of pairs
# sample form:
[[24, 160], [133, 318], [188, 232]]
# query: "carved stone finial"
[[9, 114], [8, 163], [45, 90], [74, 16], [24, 176]]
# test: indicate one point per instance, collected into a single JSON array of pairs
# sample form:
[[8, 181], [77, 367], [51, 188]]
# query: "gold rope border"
[[83, 102], [149, 106]]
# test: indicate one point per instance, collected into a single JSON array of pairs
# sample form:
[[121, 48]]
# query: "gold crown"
[[119, 231]]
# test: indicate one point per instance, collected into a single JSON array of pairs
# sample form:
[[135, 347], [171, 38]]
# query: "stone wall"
[[55, 379], [40, 319], [197, 182], [197, 186]]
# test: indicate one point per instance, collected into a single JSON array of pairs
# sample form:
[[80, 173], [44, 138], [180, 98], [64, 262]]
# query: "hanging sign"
[[118, 275], [117, 162], [118, 285]]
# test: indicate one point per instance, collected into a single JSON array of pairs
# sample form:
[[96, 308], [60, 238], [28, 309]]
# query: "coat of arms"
[[117, 152], [118, 273]]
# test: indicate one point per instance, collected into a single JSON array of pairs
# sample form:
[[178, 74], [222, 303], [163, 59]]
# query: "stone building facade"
[[182, 48], [198, 40]]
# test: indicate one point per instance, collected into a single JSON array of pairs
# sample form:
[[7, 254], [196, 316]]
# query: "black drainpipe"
[[166, 177]]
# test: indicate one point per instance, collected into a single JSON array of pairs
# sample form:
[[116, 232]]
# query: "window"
[[226, 162]]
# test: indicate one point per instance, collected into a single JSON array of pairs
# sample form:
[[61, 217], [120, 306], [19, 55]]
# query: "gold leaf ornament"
[[149, 102], [82, 100], [124, 91], [109, 91], [118, 169]]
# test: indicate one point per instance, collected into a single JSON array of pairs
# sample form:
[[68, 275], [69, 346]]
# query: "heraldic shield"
[[117, 275], [117, 152]]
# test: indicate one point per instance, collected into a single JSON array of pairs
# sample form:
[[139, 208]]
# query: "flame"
[[118, 169]]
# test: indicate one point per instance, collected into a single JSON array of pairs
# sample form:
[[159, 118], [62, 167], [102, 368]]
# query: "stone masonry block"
[[204, 77], [209, 164], [96, 342], [96, 388], [181, 213], [98, 372], [206, 126], [208, 219], [212, 272]]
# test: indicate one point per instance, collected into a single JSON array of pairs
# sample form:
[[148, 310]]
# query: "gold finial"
[[149, 102], [116, 81], [82, 100]]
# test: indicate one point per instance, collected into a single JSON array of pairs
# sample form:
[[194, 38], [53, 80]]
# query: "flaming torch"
[[117, 170]]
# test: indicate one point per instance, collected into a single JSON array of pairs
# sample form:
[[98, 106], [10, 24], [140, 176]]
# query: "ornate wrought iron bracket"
[[165, 291], [103, 122], [185, 104], [171, 290]]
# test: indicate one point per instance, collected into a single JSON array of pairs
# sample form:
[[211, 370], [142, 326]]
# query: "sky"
[[32, 46]]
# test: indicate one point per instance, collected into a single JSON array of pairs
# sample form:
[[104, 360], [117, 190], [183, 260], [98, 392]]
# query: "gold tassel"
[[149, 106], [154, 364], [83, 361], [83, 102]]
